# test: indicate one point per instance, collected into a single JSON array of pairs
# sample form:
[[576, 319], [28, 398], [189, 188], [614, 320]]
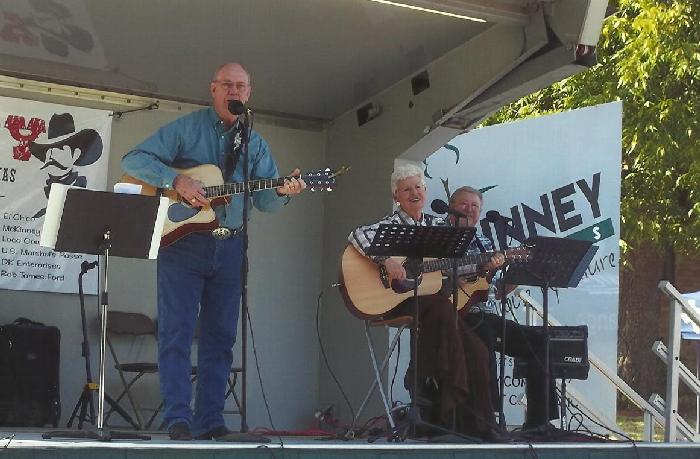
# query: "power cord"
[[522, 331], [580, 415], [395, 372], [260, 381], [323, 350], [570, 406]]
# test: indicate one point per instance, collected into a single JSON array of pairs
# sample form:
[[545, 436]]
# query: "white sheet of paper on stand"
[[127, 188]]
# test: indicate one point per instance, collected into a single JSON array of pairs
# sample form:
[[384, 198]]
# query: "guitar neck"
[[228, 189], [445, 264]]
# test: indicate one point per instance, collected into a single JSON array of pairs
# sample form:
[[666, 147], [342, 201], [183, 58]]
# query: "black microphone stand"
[[86, 401], [440, 206], [501, 415], [455, 305], [413, 267], [501, 286], [247, 127], [245, 139]]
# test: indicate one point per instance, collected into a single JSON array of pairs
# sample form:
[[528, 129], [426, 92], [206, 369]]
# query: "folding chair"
[[136, 325], [140, 325], [400, 323]]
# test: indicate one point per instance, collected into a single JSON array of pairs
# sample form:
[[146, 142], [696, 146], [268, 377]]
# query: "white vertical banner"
[[556, 176], [42, 144]]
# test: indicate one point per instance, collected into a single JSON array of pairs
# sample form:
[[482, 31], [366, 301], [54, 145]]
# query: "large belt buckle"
[[221, 233]]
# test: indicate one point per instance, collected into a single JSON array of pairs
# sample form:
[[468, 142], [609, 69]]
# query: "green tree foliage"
[[649, 58]]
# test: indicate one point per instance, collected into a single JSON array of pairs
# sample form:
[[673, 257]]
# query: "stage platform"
[[26, 444]]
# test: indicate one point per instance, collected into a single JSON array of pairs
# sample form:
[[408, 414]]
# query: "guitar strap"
[[234, 153], [230, 163]]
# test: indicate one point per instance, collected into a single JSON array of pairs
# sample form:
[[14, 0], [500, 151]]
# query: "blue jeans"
[[197, 274]]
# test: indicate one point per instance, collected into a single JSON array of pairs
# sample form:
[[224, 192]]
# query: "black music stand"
[[554, 263], [103, 223], [416, 243]]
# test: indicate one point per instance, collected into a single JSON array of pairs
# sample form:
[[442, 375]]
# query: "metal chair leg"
[[378, 369], [127, 387]]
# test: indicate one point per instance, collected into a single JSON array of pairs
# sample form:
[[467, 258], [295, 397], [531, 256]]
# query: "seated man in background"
[[482, 315]]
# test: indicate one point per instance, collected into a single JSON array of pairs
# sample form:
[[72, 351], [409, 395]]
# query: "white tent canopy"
[[310, 59]]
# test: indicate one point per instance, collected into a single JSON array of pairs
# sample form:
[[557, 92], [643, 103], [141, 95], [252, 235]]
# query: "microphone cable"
[[323, 351], [262, 387]]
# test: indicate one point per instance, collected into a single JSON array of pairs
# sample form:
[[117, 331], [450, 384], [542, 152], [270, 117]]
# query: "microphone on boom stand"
[[440, 207], [237, 108]]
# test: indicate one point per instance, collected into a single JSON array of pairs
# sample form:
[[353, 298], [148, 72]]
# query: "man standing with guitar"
[[481, 313], [452, 363], [199, 274]]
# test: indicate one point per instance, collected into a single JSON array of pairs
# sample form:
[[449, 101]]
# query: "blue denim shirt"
[[201, 138]]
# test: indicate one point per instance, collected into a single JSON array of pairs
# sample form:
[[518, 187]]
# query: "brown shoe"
[[180, 431]]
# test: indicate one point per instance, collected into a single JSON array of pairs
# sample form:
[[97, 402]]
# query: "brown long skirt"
[[453, 367]]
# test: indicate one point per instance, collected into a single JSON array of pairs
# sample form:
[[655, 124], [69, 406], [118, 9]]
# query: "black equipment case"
[[29, 374]]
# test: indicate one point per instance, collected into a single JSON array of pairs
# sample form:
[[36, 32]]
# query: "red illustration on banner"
[[16, 125], [16, 30], [49, 24]]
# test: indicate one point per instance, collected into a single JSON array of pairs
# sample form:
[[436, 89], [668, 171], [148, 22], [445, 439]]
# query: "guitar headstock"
[[323, 179], [518, 254]]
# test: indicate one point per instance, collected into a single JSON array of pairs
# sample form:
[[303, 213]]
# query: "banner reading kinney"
[[551, 176], [42, 144]]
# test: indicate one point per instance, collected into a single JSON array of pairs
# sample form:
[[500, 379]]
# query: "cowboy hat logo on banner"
[[65, 151]]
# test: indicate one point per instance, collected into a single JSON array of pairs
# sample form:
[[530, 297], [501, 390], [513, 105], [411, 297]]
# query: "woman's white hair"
[[405, 171]]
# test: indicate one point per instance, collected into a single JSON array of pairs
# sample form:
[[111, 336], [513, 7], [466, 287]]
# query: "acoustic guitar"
[[183, 219], [368, 294]]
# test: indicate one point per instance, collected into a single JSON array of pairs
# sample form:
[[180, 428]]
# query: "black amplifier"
[[568, 353]]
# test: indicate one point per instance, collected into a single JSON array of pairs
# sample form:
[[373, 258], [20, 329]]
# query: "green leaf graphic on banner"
[[455, 149], [594, 233], [425, 172]]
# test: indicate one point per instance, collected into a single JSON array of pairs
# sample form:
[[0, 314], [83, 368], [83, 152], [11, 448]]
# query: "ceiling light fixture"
[[415, 5]]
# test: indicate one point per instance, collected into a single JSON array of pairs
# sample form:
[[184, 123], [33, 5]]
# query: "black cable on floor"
[[262, 387], [323, 351]]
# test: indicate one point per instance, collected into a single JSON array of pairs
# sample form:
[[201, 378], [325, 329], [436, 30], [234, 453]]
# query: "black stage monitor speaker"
[[568, 353]]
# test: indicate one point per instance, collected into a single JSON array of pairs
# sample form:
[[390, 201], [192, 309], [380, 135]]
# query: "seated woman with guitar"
[[453, 364]]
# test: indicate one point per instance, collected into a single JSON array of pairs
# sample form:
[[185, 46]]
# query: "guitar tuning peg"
[[329, 189], [328, 169], [313, 188]]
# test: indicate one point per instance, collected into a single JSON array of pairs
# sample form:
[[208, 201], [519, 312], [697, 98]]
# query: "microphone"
[[493, 216], [236, 107], [440, 207]]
